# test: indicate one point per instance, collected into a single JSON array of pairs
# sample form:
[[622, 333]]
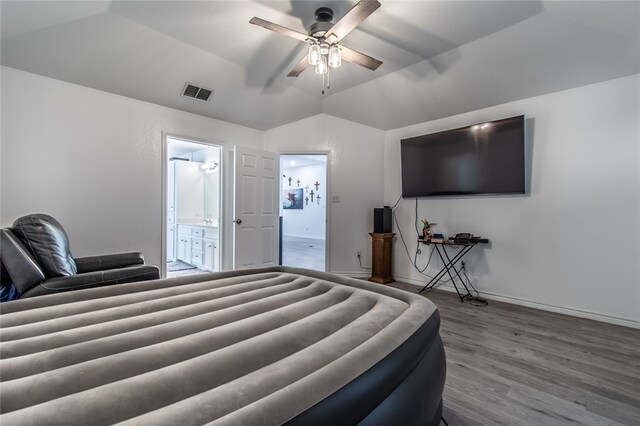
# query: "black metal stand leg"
[[444, 271], [435, 279], [450, 263], [448, 267], [463, 252]]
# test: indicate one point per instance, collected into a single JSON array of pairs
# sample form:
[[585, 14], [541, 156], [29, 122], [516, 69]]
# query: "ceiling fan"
[[324, 37]]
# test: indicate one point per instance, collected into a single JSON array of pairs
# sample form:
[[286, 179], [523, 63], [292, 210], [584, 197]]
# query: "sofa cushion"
[[45, 238]]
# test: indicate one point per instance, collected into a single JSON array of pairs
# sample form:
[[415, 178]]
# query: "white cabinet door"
[[184, 248], [196, 257], [210, 248]]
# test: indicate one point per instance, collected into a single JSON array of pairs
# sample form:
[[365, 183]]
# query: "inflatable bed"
[[265, 346]]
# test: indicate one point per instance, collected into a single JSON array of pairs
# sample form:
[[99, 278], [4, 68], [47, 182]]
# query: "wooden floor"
[[301, 252], [512, 365]]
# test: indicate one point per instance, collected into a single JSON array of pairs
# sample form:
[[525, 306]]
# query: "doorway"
[[303, 210], [193, 207]]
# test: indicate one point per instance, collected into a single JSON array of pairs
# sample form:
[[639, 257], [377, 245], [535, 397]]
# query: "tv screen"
[[486, 158]]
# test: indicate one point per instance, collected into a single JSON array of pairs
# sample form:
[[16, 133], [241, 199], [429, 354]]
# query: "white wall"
[[573, 243], [355, 162], [310, 221], [93, 160]]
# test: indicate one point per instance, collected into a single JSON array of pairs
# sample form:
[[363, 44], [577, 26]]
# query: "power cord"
[[360, 262], [397, 202], [477, 300], [406, 248], [359, 256]]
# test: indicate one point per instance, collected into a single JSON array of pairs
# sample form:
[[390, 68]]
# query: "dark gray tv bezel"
[[474, 194]]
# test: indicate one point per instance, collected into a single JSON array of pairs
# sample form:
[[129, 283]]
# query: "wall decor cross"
[[318, 198], [298, 181], [311, 195], [317, 184], [306, 188], [290, 180], [307, 200]]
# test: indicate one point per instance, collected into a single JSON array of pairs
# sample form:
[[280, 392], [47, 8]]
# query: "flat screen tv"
[[486, 158]]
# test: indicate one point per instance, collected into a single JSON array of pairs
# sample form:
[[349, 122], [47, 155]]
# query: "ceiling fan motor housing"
[[324, 16]]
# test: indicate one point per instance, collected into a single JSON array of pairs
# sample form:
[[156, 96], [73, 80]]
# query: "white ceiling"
[[439, 57]]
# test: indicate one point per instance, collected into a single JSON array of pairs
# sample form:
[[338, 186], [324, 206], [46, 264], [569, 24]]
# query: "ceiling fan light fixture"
[[322, 68], [324, 48], [314, 55], [335, 57]]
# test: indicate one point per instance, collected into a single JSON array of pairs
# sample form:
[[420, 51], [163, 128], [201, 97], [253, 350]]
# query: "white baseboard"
[[537, 305], [352, 274], [515, 301]]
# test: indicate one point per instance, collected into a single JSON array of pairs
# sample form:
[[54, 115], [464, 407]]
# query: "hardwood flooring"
[[511, 365]]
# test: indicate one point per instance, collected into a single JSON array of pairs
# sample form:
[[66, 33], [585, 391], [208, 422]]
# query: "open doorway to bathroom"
[[193, 198], [303, 210]]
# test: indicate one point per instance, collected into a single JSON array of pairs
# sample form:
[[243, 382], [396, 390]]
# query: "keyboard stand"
[[450, 264]]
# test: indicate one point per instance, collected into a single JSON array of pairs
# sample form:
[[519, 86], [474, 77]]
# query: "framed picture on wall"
[[293, 198]]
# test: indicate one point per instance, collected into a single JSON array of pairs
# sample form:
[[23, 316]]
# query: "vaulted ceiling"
[[439, 57]]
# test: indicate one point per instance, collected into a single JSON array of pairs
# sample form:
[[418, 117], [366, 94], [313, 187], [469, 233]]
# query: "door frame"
[[327, 224], [221, 201]]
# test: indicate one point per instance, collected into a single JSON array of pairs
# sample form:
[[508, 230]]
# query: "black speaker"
[[382, 220]]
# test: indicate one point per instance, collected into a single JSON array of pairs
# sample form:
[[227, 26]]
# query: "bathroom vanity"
[[198, 245]]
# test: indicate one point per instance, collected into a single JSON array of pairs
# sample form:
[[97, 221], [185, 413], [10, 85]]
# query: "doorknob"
[[238, 221]]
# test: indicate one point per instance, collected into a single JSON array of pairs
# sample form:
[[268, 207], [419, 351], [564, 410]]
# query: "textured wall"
[[570, 244], [355, 163], [93, 160]]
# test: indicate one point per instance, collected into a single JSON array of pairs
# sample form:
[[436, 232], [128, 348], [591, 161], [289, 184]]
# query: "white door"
[[256, 187]]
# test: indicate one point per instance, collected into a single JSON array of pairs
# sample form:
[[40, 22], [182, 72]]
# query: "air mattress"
[[263, 346]]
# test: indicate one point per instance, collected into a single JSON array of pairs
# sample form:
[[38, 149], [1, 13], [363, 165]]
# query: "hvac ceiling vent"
[[195, 92]]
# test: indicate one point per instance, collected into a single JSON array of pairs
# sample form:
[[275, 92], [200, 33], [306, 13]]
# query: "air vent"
[[195, 92]]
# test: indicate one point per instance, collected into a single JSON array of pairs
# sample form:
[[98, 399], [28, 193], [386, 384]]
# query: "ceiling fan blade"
[[352, 19], [300, 66], [279, 29], [359, 58]]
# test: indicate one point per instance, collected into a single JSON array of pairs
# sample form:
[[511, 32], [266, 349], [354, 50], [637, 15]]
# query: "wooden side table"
[[381, 263]]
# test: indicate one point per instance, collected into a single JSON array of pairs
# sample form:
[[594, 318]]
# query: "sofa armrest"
[[109, 261], [20, 264], [95, 279]]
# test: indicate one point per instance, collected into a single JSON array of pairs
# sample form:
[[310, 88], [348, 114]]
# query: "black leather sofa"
[[35, 252]]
